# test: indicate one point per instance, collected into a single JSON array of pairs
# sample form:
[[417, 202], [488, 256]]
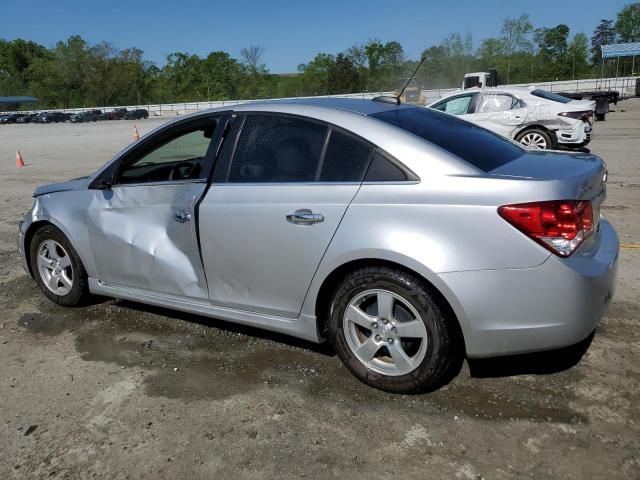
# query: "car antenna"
[[396, 99]]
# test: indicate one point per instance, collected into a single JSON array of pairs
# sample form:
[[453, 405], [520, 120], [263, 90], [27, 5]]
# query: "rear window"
[[479, 147], [554, 97]]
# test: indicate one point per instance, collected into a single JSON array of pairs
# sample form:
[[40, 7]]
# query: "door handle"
[[304, 217], [182, 216]]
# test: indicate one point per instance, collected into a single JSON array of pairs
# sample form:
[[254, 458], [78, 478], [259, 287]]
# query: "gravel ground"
[[122, 390]]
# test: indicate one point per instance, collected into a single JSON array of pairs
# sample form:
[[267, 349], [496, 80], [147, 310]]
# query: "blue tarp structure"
[[17, 100], [621, 50]]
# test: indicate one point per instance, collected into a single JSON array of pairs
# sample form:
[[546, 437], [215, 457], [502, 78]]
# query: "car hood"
[[81, 183]]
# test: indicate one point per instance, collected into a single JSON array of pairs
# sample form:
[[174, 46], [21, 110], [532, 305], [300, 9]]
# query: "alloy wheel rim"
[[385, 332], [534, 141], [54, 266]]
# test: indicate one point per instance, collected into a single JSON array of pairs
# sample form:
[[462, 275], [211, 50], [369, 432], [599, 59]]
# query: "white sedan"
[[536, 118]]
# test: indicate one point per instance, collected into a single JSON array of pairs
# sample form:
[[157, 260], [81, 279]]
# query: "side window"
[[384, 170], [272, 148], [345, 160], [178, 156], [497, 103], [455, 106]]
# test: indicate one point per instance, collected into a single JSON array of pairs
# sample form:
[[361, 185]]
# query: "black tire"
[[533, 132], [441, 349], [79, 293]]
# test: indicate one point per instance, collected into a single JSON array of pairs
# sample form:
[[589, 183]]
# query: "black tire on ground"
[[441, 346], [600, 117], [79, 293], [521, 137]]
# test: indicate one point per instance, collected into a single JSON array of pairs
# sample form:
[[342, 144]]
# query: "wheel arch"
[[447, 301], [30, 232], [552, 134]]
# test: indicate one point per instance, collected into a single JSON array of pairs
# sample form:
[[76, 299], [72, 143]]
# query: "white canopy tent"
[[620, 50]]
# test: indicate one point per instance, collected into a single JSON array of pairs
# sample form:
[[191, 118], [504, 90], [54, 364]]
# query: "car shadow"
[[580, 149], [322, 348], [539, 363]]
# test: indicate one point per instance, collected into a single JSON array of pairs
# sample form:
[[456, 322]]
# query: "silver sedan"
[[402, 235]]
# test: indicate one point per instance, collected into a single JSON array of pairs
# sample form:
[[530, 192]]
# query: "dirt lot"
[[121, 390]]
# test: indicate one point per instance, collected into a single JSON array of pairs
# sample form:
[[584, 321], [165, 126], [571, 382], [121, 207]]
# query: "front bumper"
[[553, 305], [22, 226]]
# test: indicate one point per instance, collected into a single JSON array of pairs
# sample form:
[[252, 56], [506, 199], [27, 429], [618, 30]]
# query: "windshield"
[[473, 144], [554, 97]]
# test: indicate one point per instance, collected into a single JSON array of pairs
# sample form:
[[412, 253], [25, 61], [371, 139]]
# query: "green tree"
[[315, 74], [515, 38], [553, 46], [579, 55], [628, 23], [604, 34], [343, 75]]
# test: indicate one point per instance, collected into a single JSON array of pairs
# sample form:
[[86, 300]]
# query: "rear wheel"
[[57, 268], [535, 139], [389, 331]]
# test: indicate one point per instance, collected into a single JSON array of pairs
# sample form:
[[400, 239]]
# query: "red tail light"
[[584, 115], [560, 226]]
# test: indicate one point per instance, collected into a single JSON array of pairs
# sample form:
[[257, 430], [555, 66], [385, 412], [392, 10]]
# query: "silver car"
[[402, 235]]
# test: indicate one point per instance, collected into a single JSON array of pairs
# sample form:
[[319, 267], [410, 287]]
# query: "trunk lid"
[[582, 175]]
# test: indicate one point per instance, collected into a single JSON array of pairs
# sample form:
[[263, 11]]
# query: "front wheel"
[[57, 268], [389, 331], [535, 139]]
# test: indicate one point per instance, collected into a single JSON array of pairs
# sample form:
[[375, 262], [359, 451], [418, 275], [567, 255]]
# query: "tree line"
[[74, 73]]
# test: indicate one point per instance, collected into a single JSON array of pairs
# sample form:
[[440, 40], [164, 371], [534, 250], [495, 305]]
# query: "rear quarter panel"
[[448, 224]]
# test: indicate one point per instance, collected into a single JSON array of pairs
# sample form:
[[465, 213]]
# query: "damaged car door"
[[500, 112], [142, 226]]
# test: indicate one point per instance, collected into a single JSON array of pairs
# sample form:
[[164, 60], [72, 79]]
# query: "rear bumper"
[[578, 136], [553, 305]]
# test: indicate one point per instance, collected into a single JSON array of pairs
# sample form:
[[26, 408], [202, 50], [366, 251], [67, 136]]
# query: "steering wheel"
[[182, 171]]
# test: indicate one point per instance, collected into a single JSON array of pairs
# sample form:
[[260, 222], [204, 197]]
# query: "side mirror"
[[102, 184]]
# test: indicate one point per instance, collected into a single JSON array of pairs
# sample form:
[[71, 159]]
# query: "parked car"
[[368, 224], [52, 117], [10, 118], [27, 118], [137, 114], [88, 116], [116, 114], [536, 118]]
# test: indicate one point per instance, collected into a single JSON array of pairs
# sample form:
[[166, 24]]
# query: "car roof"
[[353, 105]]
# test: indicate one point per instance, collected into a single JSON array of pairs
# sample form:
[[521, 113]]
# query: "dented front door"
[[144, 236]]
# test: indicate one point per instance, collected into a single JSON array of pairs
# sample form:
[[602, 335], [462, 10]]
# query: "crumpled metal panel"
[[137, 242]]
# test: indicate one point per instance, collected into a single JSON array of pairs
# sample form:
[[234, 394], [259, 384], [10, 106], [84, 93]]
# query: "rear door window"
[[473, 144], [497, 102], [273, 148]]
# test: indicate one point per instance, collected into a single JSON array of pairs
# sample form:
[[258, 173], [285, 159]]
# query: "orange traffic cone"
[[136, 135], [19, 161]]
